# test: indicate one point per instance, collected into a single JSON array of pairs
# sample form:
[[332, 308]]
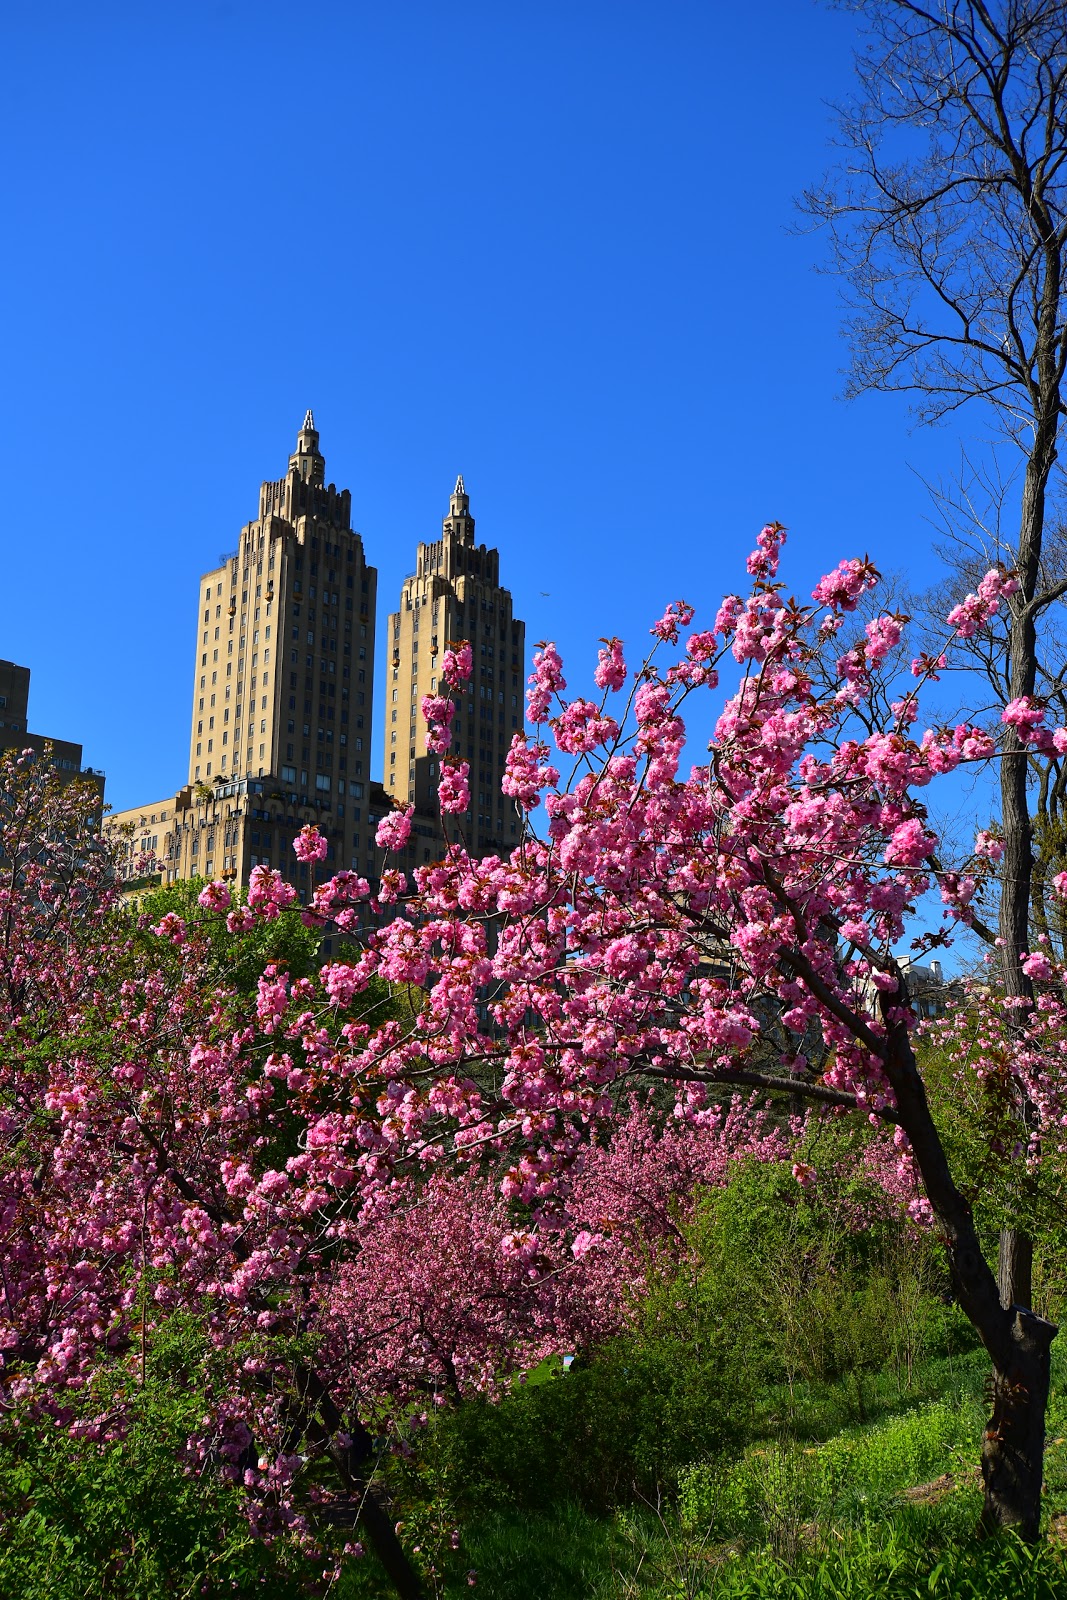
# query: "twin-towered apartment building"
[[283, 695]]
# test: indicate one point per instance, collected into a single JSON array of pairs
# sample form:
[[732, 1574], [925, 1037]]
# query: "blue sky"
[[545, 246]]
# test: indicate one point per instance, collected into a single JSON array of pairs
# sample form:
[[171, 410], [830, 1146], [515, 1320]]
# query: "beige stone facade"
[[455, 594], [282, 702], [143, 840], [283, 695]]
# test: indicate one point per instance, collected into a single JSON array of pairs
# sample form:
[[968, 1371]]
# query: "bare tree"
[[974, 513], [948, 219]]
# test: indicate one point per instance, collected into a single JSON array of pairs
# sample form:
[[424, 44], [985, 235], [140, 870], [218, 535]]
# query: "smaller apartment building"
[[66, 755]]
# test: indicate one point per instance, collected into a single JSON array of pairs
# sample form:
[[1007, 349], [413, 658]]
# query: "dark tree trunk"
[[1018, 864], [377, 1523], [1013, 1448], [351, 1449], [1015, 1263], [1017, 1341]]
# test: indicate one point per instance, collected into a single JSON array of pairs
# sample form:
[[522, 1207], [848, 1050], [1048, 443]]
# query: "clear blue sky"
[[542, 245]]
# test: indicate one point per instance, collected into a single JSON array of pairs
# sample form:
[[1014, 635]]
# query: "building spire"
[[459, 506], [307, 460]]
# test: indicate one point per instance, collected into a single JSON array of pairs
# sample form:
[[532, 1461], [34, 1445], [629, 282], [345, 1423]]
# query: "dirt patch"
[[929, 1494]]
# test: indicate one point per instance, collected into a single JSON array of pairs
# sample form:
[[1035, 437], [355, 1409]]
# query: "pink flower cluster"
[[215, 896], [309, 844], [842, 588], [977, 610], [762, 564], [439, 711], [457, 664], [678, 615], [527, 772], [545, 682], [394, 830], [453, 791], [610, 670], [268, 893], [581, 728]]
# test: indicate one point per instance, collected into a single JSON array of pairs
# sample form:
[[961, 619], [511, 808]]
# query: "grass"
[[816, 1509]]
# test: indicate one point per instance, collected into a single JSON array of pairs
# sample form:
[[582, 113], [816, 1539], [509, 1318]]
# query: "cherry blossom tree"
[[363, 1208], [171, 1148], [668, 928]]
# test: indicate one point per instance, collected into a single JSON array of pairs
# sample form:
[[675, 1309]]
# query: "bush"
[[625, 1424], [833, 1286], [125, 1519]]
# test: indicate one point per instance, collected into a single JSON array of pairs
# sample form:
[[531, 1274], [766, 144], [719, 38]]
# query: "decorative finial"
[[459, 489], [309, 422]]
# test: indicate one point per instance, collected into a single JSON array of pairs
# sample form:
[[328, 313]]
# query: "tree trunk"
[[1015, 1269], [351, 1449], [1018, 1342], [381, 1533], [1018, 862], [1013, 1448], [1016, 880]]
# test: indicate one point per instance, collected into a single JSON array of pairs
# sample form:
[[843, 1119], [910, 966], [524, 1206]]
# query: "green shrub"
[[125, 1520], [625, 1424]]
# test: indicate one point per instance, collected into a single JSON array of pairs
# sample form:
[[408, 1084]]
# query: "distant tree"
[[236, 961]]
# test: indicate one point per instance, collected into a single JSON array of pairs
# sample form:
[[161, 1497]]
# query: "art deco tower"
[[453, 594], [283, 683]]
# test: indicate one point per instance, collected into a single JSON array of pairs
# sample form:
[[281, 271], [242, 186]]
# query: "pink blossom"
[[677, 615], [215, 896], [842, 588], [581, 728], [527, 772], [727, 615], [701, 646], [1025, 716], [457, 664], [309, 844], [883, 635], [438, 708], [453, 790], [976, 611], [909, 844], [268, 893], [762, 564], [610, 670], [394, 830], [171, 926], [545, 681]]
